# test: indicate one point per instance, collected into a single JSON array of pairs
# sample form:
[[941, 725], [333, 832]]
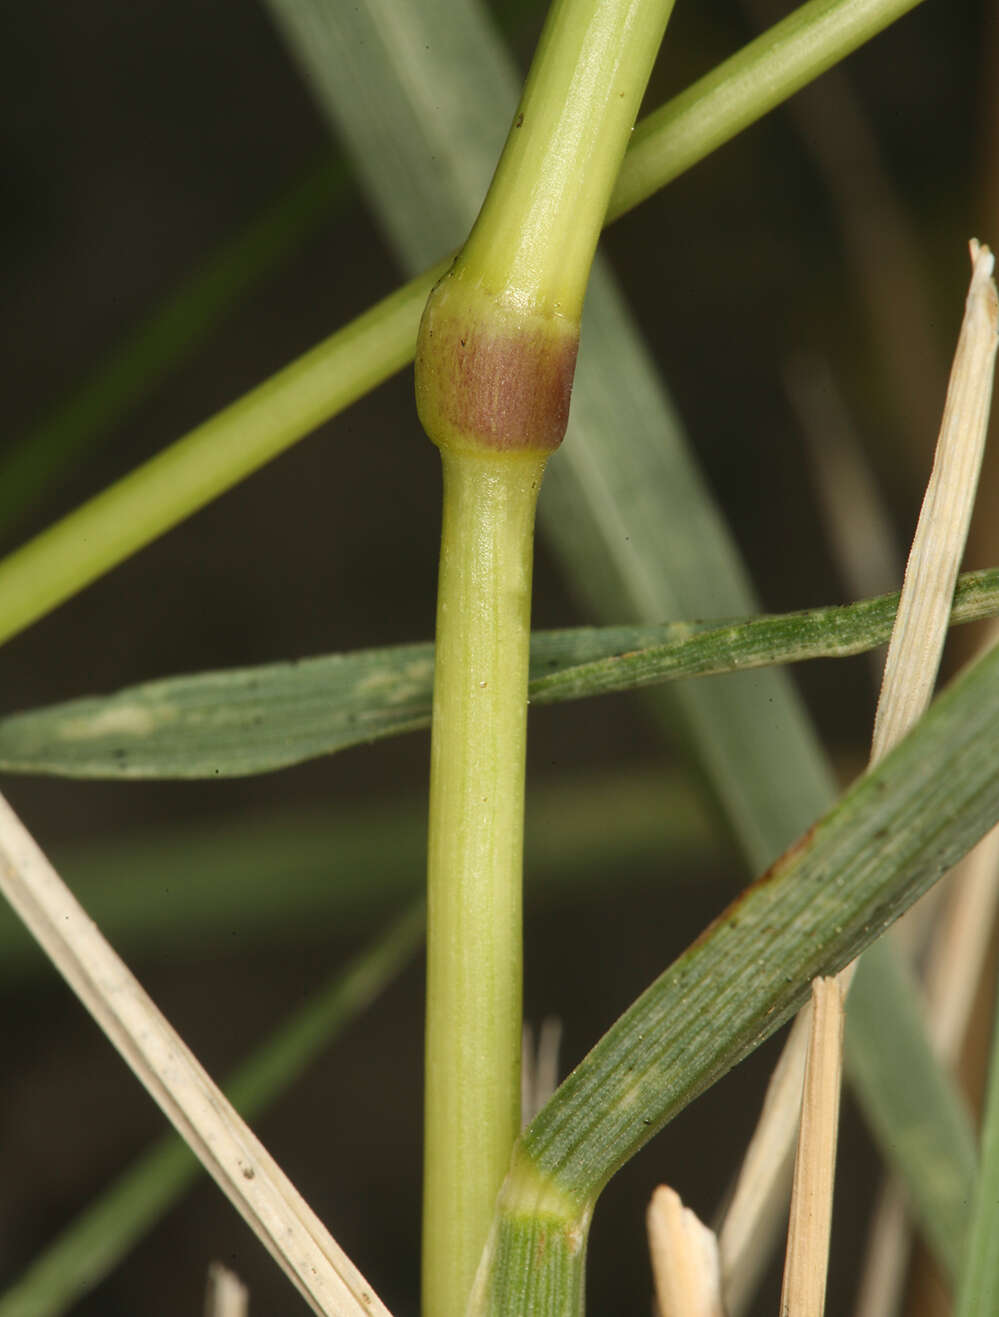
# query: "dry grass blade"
[[758, 1208], [920, 628], [685, 1262], [804, 1289], [960, 944], [539, 1067], [239, 1163], [226, 1294], [938, 544], [931, 572]]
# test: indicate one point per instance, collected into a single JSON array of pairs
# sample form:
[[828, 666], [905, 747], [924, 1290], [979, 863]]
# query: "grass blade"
[[398, 100], [911, 669], [803, 1293], [92, 1245], [241, 1166], [889, 838], [918, 1119], [253, 720], [938, 544], [684, 1255], [978, 1291]]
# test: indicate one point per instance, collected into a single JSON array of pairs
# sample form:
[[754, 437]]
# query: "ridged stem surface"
[[474, 954]]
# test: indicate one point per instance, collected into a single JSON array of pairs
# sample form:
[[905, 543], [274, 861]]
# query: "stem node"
[[490, 374]]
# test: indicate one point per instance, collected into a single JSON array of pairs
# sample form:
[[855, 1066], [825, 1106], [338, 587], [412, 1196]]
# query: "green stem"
[[221, 452], [211, 459], [744, 88], [537, 231], [169, 335], [494, 365], [474, 866]]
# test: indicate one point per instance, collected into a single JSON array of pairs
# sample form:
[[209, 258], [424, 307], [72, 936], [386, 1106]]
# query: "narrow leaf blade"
[[254, 720]]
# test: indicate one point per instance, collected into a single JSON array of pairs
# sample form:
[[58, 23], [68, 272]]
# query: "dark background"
[[136, 140]]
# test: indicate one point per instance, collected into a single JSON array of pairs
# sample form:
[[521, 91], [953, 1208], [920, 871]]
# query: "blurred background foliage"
[[813, 267]]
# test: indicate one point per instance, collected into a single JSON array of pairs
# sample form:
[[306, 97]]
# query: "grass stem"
[[216, 455], [474, 955]]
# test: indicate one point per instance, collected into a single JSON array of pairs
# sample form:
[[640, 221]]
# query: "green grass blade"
[[168, 336], [638, 535], [398, 100], [889, 838], [178, 892], [97, 1240], [978, 1289], [254, 720], [918, 1120], [834, 632]]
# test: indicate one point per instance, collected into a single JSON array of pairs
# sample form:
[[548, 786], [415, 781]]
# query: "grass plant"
[[494, 331]]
